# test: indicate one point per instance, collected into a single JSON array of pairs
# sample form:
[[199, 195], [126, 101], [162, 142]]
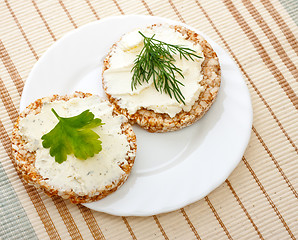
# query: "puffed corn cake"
[[146, 116], [78, 180]]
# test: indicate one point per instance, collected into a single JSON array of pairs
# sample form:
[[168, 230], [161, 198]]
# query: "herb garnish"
[[155, 60], [73, 135]]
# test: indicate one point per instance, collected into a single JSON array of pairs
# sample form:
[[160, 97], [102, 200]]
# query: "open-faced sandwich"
[[162, 77], [75, 146]]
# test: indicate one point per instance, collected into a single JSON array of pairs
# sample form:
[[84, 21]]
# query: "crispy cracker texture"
[[162, 122], [25, 160]]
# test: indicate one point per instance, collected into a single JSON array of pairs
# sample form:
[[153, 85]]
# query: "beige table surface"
[[257, 201]]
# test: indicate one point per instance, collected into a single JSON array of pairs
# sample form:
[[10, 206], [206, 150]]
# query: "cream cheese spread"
[[81, 176], [117, 77]]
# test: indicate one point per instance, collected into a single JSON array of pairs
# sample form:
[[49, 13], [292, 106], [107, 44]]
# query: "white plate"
[[171, 169]]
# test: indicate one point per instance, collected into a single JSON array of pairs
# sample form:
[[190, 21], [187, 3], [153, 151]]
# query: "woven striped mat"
[[257, 201]]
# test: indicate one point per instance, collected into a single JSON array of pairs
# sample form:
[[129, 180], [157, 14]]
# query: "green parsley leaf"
[[73, 135]]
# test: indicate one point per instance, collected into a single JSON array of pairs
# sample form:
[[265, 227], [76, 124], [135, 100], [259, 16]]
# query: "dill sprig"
[[156, 60]]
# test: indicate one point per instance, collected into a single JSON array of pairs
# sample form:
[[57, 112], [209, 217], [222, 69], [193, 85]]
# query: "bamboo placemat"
[[257, 201]]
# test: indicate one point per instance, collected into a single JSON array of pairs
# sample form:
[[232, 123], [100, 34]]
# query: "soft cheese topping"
[[118, 77], [81, 176]]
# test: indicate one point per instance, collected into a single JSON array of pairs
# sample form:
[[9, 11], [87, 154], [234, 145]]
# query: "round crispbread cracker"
[[162, 122], [25, 160]]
